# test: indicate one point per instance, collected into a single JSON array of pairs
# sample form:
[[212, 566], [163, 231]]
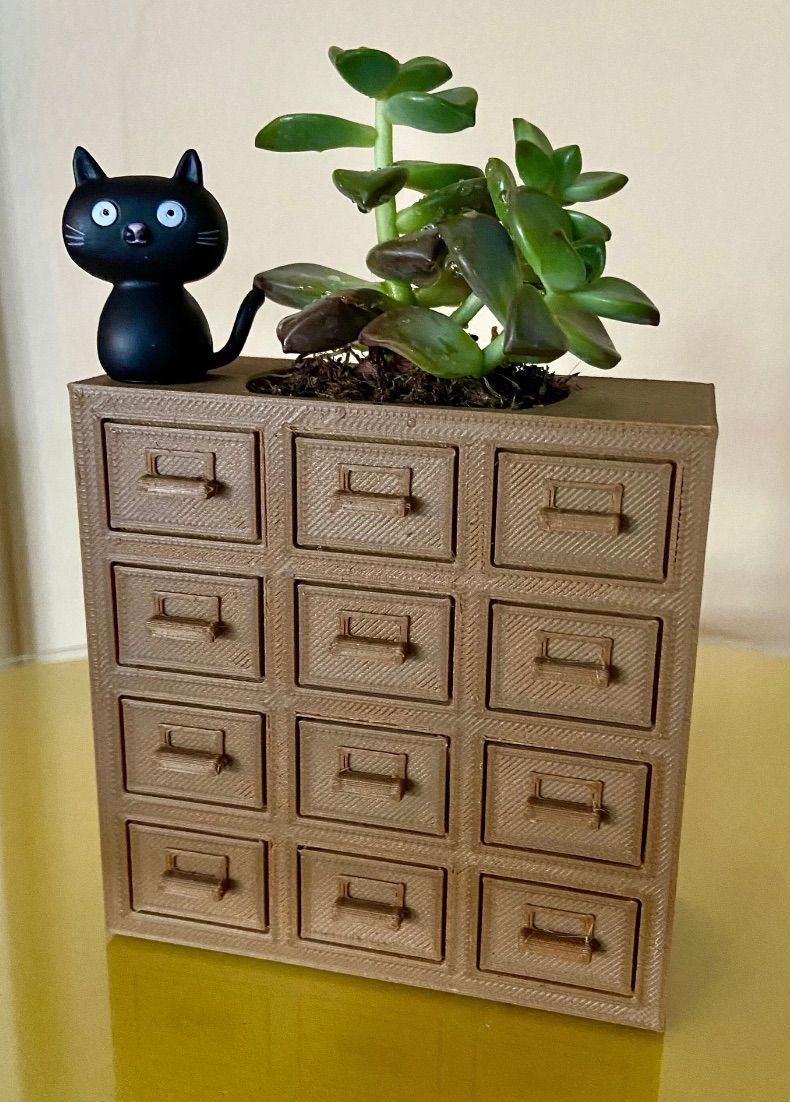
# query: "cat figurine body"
[[148, 236]]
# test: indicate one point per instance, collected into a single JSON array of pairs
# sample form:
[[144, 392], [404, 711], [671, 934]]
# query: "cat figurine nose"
[[136, 233]]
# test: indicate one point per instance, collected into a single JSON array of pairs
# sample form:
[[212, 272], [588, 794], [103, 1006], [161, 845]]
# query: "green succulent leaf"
[[584, 333], [540, 228], [444, 203], [586, 228], [427, 339], [367, 71], [531, 332], [482, 251], [331, 322], [501, 183], [535, 167], [610, 297], [428, 176], [528, 132], [415, 257], [369, 189], [420, 74], [450, 289], [593, 253], [298, 285], [567, 164], [594, 185], [302, 133], [438, 112]]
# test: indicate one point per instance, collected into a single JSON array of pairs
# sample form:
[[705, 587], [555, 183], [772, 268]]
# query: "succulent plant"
[[474, 238]]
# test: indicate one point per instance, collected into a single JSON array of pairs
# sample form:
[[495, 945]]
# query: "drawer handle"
[[608, 523], [360, 782], [183, 628], [540, 807], [576, 947], [377, 911], [398, 504], [194, 882], [572, 671], [183, 759], [390, 652], [179, 485]]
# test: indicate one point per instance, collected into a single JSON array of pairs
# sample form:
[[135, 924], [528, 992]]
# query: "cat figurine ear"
[[86, 167], [189, 168]]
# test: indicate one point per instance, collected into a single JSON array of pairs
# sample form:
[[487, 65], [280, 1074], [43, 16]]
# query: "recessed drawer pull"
[[376, 910], [183, 759], [572, 670], [576, 947], [398, 504], [540, 807], [608, 523], [390, 652], [184, 628], [179, 485], [196, 882]]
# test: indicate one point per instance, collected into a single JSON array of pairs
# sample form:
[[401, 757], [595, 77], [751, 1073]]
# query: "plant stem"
[[386, 213], [494, 353], [467, 310]]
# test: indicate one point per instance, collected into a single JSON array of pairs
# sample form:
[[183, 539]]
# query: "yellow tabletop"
[[86, 1020]]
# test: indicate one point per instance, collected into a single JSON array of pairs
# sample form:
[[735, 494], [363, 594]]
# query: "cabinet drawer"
[[587, 666], [557, 935], [563, 803], [370, 904], [199, 623], [389, 644], [582, 516], [193, 753], [379, 778], [387, 499], [183, 482], [198, 876]]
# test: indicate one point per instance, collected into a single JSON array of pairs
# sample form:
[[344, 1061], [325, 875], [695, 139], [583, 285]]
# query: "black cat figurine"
[[148, 236]]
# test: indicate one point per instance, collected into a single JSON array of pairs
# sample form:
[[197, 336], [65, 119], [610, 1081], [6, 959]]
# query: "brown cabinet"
[[395, 691]]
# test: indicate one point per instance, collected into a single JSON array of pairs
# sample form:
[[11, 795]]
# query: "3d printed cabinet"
[[396, 691]]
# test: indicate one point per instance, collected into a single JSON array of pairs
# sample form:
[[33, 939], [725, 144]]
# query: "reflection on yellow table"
[[134, 1021]]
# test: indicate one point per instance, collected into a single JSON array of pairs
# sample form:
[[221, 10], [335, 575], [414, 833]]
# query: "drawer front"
[[389, 644], [563, 803], [369, 904], [198, 876], [378, 778], [187, 753], [386, 499], [198, 623], [560, 936], [591, 516], [586, 666], [183, 482]]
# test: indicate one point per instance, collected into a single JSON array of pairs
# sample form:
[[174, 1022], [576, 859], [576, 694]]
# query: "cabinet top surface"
[[594, 398]]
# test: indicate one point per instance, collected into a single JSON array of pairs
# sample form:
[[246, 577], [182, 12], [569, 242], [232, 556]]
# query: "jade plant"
[[474, 238]]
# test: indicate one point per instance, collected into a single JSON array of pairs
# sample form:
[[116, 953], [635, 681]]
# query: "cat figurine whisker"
[[143, 235]]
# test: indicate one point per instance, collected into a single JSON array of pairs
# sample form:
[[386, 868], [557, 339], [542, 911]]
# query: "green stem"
[[466, 311], [386, 213], [494, 353]]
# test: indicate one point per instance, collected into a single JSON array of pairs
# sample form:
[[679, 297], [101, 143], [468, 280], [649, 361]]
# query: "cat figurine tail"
[[148, 236]]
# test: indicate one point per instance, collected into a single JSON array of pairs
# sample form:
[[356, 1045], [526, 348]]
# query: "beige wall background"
[[688, 98]]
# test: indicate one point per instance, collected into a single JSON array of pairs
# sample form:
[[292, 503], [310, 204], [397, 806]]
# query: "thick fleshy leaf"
[[593, 253], [300, 284], [367, 71], [428, 176], [528, 132], [416, 257], [369, 189], [567, 164], [540, 227], [561, 268], [534, 166], [331, 322], [530, 330], [438, 112], [594, 185], [302, 133], [584, 333], [615, 298], [501, 183], [482, 251], [587, 228], [427, 339], [450, 289], [444, 203], [420, 74]]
